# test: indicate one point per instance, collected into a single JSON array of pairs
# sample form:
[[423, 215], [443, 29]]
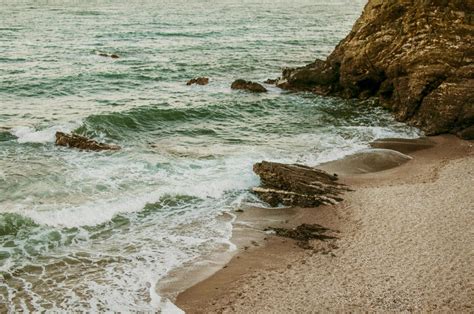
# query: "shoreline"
[[274, 274]]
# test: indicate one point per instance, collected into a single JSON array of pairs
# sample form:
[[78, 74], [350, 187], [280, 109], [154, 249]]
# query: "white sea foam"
[[180, 233], [88, 214], [26, 134], [167, 307]]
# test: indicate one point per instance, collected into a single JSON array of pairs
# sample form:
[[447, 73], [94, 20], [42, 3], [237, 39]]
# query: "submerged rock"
[[81, 142], [113, 56], [416, 57], [198, 81], [247, 85], [296, 185]]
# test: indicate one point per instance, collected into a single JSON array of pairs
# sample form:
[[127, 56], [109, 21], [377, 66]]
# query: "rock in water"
[[417, 57], [198, 81], [81, 142], [247, 85], [113, 56], [271, 81], [296, 185]]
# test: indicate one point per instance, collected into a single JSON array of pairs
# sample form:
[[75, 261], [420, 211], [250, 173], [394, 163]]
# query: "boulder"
[[81, 142], [296, 185], [198, 81], [416, 57], [247, 85]]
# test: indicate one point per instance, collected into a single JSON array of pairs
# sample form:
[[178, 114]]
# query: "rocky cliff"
[[416, 56]]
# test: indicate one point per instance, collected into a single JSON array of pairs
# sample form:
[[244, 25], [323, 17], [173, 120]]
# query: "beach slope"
[[405, 243]]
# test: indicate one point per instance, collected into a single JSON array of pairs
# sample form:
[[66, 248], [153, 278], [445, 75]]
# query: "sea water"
[[97, 231]]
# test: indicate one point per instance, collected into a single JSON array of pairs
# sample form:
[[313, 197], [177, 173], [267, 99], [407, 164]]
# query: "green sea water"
[[98, 231]]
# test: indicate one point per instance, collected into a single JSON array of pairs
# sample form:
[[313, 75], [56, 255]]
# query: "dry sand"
[[406, 243]]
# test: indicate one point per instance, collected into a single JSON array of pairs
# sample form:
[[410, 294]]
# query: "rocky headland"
[[415, 56]]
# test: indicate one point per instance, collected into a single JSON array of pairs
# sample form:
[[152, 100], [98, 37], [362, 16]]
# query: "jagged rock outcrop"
[[198, 81], [296, 185], [247, 85], [81, 142], [416, 56]]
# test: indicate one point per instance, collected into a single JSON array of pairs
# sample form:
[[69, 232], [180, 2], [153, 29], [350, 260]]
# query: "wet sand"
[[405, 243]]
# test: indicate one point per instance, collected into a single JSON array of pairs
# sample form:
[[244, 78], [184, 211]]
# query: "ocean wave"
[[168, 120], [27, 134], [6, 136], [11, 224]]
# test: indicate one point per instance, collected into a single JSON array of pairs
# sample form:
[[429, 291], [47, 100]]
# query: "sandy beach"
[[404, 243]]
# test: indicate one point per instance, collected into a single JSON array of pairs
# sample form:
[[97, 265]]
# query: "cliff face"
[[415, 55]]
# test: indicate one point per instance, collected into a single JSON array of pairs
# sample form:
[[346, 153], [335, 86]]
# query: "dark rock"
[[296, 185], [417, 58], [113, 56], [81, 142], [467, 134], [271, 81], [304, 233], [198, 81], [247, 85]]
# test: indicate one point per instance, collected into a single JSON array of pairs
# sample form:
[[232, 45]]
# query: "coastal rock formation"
[[296, 185], [416, 56], [81, 142], [247, 85], [198, 81]]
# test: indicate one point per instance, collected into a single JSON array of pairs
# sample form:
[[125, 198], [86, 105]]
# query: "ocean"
[[97, 231]]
